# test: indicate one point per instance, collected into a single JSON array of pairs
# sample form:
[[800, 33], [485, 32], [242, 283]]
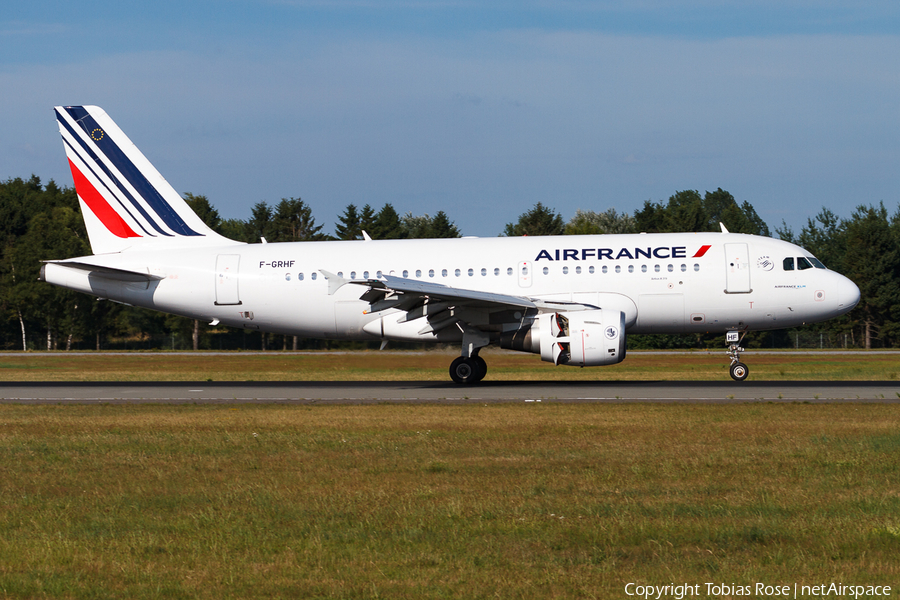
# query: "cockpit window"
[[803, 263], [816, 262]]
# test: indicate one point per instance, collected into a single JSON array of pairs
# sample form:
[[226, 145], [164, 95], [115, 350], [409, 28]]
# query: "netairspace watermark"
[[758, 590]]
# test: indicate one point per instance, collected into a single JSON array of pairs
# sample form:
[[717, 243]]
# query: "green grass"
[[510, 501], [431, 366]]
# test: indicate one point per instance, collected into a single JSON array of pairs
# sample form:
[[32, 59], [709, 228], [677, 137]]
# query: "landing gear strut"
[[470, 369], [738, 370]]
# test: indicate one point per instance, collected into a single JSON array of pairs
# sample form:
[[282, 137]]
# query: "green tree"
[[688, 211], [387, 225], [293, 221], [348, 227], [588, 222], [540, 220], [424, 226], [260, 225], [443, 227], [203, 209], [872, 261], [366, 220]]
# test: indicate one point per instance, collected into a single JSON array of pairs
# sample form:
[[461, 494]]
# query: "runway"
[[414, 392]]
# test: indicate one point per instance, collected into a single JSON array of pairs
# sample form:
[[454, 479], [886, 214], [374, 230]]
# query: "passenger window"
[[365, 274], [656, 268], [456, 272], [671, 268], [683, 267], [418, 272], [546, 270], [313, 276], [496, 271], [287, 276], [509, 271], [352, 274], [405, 273], [471, 272], [484, 272], [618, 269], [788, 263], [431, 272], [605, 269], [803, 264], [443, 272], [300, 277], [578, 270], [696, 266], [565, 270], [591, 269], [643, 268]]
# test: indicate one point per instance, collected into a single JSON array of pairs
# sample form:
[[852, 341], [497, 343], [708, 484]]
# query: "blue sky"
[[480, 109]]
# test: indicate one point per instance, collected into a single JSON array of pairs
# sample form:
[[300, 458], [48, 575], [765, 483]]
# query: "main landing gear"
[[470, 369], [738, 370]]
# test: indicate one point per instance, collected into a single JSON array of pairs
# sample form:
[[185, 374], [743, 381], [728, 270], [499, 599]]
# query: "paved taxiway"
[[713, 392]]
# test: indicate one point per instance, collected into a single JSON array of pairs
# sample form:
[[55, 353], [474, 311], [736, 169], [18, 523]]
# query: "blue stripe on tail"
[[131, 173]]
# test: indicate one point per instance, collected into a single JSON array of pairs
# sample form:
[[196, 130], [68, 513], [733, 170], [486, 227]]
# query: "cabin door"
[[737, 269], [227, 279]]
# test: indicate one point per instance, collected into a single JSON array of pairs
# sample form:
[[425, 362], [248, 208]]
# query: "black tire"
[[480, 366], [739, 371], [464, 370]]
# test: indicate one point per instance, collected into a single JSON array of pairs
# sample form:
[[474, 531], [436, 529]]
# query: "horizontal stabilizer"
[[107, 272]]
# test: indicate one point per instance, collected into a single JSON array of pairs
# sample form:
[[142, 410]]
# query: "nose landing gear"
[[739, 371]]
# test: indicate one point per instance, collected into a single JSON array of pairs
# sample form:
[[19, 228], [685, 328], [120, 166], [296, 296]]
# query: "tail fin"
[[124, 200]]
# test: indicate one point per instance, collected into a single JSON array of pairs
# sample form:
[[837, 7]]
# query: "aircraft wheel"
[[464, 370], [739, 371], [480, 366]]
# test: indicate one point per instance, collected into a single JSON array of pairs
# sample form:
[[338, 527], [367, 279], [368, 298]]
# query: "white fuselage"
[[663, 283]]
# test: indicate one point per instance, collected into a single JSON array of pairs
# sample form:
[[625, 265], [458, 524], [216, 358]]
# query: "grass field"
[[431, 365], [500, 501]]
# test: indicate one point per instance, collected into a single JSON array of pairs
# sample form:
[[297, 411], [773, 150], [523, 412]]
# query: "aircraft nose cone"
[[847, 294]]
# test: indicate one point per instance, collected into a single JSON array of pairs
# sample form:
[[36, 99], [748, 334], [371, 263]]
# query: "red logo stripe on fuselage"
[[702, 251], [99, 206]]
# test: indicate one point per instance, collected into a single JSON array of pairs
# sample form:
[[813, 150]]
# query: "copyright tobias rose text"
[[758, 590]]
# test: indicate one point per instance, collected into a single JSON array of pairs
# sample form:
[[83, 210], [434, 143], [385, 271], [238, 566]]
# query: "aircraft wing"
[[425, 299]]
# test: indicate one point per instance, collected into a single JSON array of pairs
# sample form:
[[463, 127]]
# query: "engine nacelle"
[[587, 338]]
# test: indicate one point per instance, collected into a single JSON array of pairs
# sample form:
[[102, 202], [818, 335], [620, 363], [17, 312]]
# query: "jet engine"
[[587, 338]]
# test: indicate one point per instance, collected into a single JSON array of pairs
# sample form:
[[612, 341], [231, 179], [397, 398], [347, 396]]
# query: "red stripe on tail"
[[702, 251], [99, 206]]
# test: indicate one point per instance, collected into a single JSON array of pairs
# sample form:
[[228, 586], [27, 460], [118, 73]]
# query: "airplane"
[[571, 299]]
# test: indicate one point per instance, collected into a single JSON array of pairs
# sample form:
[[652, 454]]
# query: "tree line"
[[43, 221]]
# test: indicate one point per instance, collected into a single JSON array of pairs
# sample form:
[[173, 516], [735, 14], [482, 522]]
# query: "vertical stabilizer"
[[125, 202]]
